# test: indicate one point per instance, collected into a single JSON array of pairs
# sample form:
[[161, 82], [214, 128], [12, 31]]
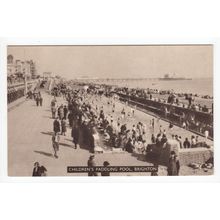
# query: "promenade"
[[29, 140]]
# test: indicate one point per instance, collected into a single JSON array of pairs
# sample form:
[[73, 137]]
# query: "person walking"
[[70, 119], [186, 143], [36, 170], [53, 110], [105, 173], [193, 141], [153, 139], [40, 100], [63, 127], [61, 112], [55, 143], [37, 100], [65, 110], [39, 170], [56, 126], [206, 135], [43, 171], [75, 135], [91, 163], [180, 142], [152, 124], [173, 165]]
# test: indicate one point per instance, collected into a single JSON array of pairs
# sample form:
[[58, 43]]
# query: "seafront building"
[[17, 69], [21, 75]]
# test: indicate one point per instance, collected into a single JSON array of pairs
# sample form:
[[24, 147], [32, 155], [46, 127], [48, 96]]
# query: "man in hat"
[[36, 170], [173, 165], [91, 163], [105, 173], [39, 170]]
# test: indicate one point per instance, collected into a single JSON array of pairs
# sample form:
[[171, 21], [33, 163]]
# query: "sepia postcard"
[[110, 110]]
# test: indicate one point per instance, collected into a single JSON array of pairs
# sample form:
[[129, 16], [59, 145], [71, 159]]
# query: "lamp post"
[[25, 75], [25, 82]]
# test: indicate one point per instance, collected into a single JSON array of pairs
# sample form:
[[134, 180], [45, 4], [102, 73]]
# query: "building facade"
[[33, 70], [20, 69], [11, 69]]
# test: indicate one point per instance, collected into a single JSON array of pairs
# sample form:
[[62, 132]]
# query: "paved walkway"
[[16, 103], [29, 140]]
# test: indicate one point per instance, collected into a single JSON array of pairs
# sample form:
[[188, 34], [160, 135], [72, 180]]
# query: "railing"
[[17, 90], [173, 114], [14, 95]]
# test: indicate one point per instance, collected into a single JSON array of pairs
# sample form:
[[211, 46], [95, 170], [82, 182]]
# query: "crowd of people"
[[172, 97], [88, 120], [83, 112], [192, 116], [36, 95]]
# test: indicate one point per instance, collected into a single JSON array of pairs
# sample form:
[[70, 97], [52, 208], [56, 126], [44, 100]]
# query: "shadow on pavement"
[[44, 153], [47, 133], [68, 139], [47, 117], [66, 145]]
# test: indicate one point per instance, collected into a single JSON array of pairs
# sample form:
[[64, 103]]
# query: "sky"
[[150, 61]]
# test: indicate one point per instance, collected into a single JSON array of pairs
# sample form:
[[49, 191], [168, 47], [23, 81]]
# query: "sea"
[[200, 86]]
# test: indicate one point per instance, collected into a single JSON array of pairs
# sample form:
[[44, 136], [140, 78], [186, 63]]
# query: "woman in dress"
[[173, 165]]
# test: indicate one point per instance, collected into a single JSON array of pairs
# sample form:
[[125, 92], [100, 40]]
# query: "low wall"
[[174, 115], [17, 91], [197, 155], [161, 154]]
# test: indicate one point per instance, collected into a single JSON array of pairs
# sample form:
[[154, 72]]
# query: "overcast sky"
[[119, 61]]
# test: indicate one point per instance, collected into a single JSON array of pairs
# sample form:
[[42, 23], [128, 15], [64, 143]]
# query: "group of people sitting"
[[120, 136]]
